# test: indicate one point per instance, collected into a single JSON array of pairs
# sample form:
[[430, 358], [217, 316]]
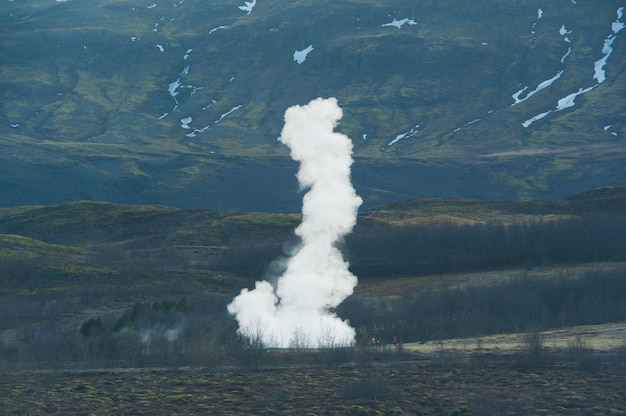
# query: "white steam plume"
[[316, 278]]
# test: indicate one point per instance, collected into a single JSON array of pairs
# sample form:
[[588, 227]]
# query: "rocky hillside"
[[181, 103]]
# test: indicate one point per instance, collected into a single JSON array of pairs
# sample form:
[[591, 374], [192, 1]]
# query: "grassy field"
[[489, 386]]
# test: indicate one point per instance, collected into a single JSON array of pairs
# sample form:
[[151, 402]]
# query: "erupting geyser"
[[297, 311]]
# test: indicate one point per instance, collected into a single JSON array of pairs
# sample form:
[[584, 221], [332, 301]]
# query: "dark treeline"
[[388, 251], [446, 248], [191, 331], [522, 304]]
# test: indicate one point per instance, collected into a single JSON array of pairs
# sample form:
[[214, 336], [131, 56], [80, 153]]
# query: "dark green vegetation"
[[411, 388], [84, 86], [116, 309]]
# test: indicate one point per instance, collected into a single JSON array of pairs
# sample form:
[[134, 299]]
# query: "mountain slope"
[[182, 103]]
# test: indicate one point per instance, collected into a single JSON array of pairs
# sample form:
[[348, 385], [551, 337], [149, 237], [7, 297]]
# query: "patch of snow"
[[210, 105], [400, 23], [194, 89], [568, 101], [569, 50], [152, 6], [231, 79], [607, 49], [364, 136], [195, 132], [540, 87], [537, 117], [599, 73], [172, 87], [300, 56], [563, 31], [184, 122], [15, 125], [160, 47], [249, 5], [229, 112], [565, 102], [217, 28], [539, 13], [606, 128], [616, 26], [399, 137], [133, 38], [185, 71], [517, 94]]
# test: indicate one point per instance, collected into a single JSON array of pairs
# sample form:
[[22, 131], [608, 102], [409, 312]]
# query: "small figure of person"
[[372, 341], [395, 341]]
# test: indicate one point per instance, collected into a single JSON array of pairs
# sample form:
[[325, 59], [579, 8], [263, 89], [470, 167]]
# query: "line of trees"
[[193, 331], [521, 304], [448, 248], [417, 250]]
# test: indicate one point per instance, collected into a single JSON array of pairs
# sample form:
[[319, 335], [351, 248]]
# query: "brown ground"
[[595, 337]]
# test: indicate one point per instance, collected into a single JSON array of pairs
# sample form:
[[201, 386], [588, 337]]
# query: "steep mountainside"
[[181, 103]]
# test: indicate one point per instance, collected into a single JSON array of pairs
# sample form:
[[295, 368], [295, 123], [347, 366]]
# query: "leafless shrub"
[[533, 353]]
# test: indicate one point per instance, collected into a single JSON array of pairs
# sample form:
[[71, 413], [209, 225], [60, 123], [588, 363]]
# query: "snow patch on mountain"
[[249, 5], [599, 71], [184, 122], [400, 23], [563, 103], [229, 112], [196, 131], [607, 128], [217, 28], [399, 137], [607, 49], [541, 86], [173, 86], [518, 96], [300, 56]]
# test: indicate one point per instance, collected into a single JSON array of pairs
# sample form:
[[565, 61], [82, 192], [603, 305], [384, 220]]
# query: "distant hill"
[[181, 103], [88, 225]]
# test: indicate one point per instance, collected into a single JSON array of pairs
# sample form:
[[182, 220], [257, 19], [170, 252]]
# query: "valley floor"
[[599, 338], [489, 386]]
